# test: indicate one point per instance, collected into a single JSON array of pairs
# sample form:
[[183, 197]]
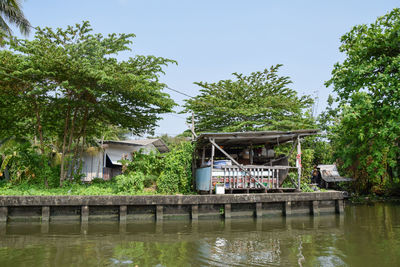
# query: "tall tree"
[[367, 82], [67, 86], [11, 12], [259, 101]]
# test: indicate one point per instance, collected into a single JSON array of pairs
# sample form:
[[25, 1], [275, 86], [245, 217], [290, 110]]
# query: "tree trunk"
[[40, 133], [84, 123], [75, 156], [71, 134], [67, 117], [39, 127]]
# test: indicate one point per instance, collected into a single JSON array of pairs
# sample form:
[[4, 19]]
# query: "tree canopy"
[[366, 135], [66, 87], [262, 100]]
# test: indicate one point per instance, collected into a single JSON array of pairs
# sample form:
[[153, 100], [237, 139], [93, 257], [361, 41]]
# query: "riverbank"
[[123, 208]]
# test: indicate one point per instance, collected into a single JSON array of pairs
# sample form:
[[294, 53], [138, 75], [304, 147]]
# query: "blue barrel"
[[203, 176]]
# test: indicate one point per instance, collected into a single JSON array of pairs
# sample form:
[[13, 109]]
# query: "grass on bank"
[[93, 189]]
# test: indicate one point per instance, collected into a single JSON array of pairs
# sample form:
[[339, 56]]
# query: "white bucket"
[[220, 189]]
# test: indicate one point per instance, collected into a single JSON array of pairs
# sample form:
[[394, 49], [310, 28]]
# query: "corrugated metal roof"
[[330, 174], [255, 138], [158, 143]]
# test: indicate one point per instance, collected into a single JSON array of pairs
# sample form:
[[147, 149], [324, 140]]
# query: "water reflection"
[[364, 236]]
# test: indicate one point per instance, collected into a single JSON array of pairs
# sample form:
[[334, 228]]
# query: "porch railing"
[[249, 177]]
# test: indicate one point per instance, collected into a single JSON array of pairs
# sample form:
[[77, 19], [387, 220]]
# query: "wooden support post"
[[259, 211], [159, 213], [339, 206], [3, 214], [84, 213], [298, 162], [212, 165], [227, 211], [45, 214], [192, 127], [194, 167], [287, 208], [203, 157], [251, 154], [195, 212], [122, 213], [314, 209]]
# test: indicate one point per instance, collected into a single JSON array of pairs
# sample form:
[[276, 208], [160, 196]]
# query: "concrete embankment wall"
[[131, 208]]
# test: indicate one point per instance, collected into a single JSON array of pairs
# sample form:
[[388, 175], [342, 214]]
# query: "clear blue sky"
[[212, 39]]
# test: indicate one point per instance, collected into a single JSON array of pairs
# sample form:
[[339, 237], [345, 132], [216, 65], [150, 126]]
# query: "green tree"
[[260, 101], [11, 11], [66, 86], [365, 135]]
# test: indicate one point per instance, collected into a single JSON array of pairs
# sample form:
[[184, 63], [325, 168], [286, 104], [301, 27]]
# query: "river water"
[[366, 235]]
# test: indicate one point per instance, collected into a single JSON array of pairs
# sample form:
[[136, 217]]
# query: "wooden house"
[[103, 162]]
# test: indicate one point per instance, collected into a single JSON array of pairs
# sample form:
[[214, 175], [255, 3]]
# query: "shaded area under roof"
[[255, 138], [157, 143]]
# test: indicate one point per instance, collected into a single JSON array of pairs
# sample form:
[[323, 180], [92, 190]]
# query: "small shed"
[[246, 161], [103, 162], [329, 176]]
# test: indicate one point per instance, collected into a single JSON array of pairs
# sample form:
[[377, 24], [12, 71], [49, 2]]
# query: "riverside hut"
[[246, 161]]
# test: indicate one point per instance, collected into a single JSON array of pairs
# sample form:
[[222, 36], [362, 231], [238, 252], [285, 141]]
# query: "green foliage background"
[[364, 128], [262, 100]]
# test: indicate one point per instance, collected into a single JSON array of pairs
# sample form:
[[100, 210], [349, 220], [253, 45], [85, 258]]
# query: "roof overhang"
[[253, 138], [157, 143]]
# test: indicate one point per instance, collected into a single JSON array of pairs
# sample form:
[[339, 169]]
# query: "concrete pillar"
[[259, 211], [122, 213], [45, 213], [3, 214], [339, 206], [159, 212], [195, 212], [314, 207], [84, 213], [227, 211], [287, 208]]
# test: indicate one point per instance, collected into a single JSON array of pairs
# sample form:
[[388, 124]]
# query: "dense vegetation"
[[364, 128], [65, 90], [153, 173], [260, 101]]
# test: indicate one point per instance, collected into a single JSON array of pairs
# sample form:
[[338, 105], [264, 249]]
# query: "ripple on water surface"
[[363, 236]]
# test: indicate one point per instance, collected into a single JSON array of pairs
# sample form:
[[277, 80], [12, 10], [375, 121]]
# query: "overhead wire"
[[179, 92]]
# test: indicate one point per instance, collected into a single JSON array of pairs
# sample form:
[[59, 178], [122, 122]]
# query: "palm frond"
[[10, 10]]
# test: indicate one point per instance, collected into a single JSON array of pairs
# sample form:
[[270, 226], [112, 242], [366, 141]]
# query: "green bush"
[[176, 174], [147, 164], [132, 182], [26, 164]]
